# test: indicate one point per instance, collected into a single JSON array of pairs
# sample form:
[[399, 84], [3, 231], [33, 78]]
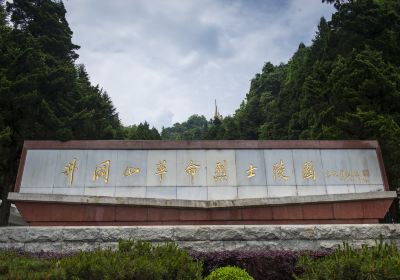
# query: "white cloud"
[[162, 61]]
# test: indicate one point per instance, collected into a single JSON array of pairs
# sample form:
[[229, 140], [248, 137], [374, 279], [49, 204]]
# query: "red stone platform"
[[43, 210]]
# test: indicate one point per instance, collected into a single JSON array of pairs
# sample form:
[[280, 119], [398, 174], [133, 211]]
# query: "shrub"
[[140, 260], [18, 266], [381, 261], [229, 273]]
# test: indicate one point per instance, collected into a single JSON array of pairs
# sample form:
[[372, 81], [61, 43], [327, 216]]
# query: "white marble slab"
[[36, 190], [131, 168], [311, 190], [337, 167], [281, 191], [217, 174], [161, 192], [222, 192], [95, 160], [40, 169], [191, 168], [308, 167], [279, 167], [130, 192], [364, 163], [69, 190], [66, 161], [192, 193], [338, 189], [368, 188], [100, 191], [221, 168], [245, 192], [250, 168], [157, 175]]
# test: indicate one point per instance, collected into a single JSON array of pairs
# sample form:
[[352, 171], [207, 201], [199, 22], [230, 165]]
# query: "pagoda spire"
[[217, 115]]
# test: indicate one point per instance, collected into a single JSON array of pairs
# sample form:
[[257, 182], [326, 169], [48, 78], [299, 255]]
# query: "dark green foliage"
[[382, 261], [140, 260], [44, 20], [140, 132], [195, 128], [17, 266], [344, 86], [229, 273], [43, 94]]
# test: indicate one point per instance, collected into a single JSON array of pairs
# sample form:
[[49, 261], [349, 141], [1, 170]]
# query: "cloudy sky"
[[164, 60]]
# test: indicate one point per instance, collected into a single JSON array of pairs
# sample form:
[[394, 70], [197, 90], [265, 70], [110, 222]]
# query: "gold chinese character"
[[250, 171], [345, 175], [365, 176], [220, 171], [331, 173], [129, 171], [279, 171], [102, 171], [309, 171], [69, 170], [191, 169], [161, 169]]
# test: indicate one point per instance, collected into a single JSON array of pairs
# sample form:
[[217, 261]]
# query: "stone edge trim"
[[201, 204]]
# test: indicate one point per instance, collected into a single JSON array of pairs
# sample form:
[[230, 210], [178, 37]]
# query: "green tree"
[[195, 128], [143, 132], [43, 94], [344, 86]]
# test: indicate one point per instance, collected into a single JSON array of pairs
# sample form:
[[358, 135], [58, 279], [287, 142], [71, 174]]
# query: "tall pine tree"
[[43, 94]]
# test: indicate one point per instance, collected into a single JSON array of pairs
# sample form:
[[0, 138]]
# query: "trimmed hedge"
[[229, 273]]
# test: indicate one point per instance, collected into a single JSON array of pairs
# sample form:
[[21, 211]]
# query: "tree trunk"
[[5, 206]]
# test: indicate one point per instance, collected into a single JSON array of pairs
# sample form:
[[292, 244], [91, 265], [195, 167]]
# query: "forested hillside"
[[344, 86]]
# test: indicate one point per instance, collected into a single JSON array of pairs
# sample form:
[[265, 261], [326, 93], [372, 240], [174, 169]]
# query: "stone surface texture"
[[199, 238], [272, 173]]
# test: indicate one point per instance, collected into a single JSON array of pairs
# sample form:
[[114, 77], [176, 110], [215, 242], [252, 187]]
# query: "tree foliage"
[[140, 132], [195, 128], [344, 86], [43, 93]]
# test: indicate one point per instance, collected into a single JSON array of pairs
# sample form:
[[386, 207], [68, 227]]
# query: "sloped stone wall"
[[199, 238]]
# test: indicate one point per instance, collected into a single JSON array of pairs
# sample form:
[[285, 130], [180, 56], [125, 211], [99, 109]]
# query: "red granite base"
[[354, 212]]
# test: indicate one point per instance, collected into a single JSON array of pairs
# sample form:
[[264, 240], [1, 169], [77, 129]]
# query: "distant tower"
[[217, 115]]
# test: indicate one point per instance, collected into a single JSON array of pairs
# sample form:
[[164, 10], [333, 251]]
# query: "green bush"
[[381, 261], [17, 266], [140, 260], [229, 273]]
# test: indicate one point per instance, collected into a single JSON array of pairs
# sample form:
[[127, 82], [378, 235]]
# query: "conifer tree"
[[43, 94]]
